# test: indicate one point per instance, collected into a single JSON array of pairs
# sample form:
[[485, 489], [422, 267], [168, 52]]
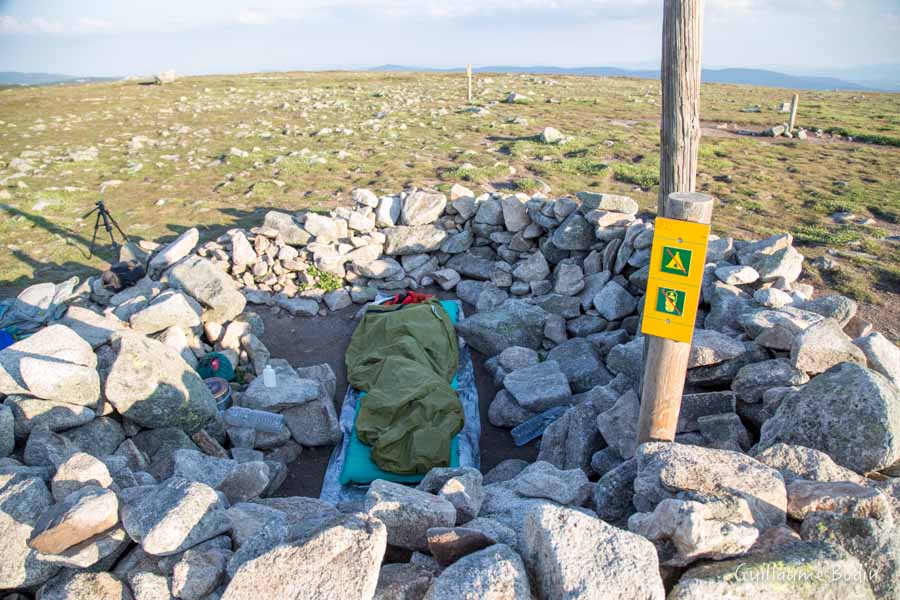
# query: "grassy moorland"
[[218, 151]]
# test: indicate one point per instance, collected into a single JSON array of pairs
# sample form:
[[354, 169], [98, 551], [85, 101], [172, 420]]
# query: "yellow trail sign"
[[676, 274]]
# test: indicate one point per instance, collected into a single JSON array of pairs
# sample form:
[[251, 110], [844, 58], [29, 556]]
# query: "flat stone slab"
[[408, 513], [539, 387], [289, 391]]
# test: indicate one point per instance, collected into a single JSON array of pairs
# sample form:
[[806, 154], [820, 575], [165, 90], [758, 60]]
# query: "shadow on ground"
[[43, 271], [513, 138], [104, 252]]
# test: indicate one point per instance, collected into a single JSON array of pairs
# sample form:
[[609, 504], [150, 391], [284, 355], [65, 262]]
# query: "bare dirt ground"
[[313, 341]]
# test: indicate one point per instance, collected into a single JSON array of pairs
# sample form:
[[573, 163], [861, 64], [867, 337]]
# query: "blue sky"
[[125, 37]]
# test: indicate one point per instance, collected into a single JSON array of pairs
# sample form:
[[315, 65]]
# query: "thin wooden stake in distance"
[[795, 104], [666, 360], [469, 80]]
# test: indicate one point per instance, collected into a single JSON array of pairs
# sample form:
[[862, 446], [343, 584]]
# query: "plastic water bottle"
[[259, 420], [270, 380], [536, 425]]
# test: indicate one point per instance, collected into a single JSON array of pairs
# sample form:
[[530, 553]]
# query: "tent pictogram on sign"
[[676, 261]]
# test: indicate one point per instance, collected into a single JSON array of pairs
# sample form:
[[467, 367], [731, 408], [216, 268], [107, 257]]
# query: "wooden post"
[[666, 361], [795, 104], [680, 132], [469, 79]]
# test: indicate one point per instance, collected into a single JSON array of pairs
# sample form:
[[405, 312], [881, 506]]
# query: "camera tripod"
[[108, 223]]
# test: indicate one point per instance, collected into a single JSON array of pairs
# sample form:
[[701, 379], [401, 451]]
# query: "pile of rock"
[[165, 77], [120, 478], [784, 130], [560, 252], [516, 98], [117, 470], [790, 399]]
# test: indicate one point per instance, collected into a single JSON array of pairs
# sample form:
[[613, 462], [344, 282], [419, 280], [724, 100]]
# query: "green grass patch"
[[325, 280], [849, 200], [714, 158], [267, 188], [866, 138], [849, 283], [753, 206], [298, 166], [819, 235], [474, 174], [519, 149], [645, 176], [527, 185], [576, 166], [715, 165]]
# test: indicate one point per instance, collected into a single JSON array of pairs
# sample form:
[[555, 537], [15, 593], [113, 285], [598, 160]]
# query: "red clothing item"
[[409, 298]]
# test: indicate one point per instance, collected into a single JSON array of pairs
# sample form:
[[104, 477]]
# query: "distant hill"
[[881, 77], [780, 80], [758, 77], [19, 78]]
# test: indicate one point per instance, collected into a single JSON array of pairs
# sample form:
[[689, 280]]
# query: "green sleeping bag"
[[404, 360]]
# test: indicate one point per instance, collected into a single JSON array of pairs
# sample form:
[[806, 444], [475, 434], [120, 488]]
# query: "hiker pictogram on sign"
[[676, 261], [670, 302]]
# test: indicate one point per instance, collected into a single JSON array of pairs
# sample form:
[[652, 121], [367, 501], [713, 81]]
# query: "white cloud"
[[12, 25], [46, 26], [892, 21], [259, 13], [252, 17], [92, 24], [40, 25], [748, 6], [732, 5], [269, 11], [469, 8], [262, 13], [447, 9]]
